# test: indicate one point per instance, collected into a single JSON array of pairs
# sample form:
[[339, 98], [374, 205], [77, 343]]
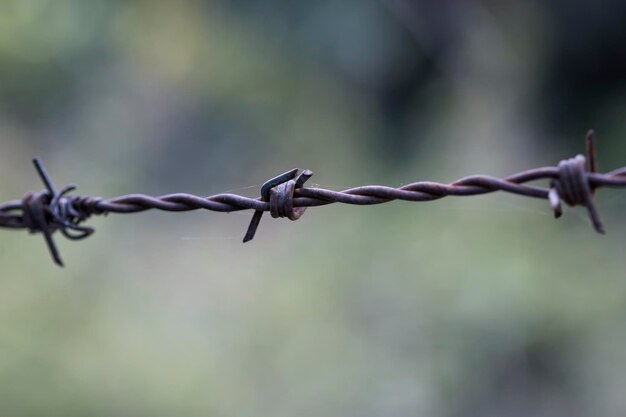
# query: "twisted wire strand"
[[573, 181]]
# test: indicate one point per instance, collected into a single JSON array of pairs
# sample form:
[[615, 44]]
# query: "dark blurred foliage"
[[389, 51], [46, 51], [585, 68]]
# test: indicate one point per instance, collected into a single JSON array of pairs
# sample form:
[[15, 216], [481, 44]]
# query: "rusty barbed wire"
[[573, 181]]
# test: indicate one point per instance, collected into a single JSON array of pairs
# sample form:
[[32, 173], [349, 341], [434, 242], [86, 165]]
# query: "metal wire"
[[573, 181]]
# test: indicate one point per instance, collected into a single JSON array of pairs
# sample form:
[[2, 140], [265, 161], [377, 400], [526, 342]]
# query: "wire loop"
[[282, 197]]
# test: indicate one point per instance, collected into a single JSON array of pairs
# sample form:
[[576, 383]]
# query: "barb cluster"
[[573, 181]]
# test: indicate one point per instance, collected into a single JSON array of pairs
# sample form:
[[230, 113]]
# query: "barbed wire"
[[573, 181]]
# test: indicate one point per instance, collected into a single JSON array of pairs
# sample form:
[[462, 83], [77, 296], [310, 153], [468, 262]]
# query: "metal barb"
[[573, 185], [573, 181], [43, 226], [265, 196], [49, 211], [590, 146], [43, 174]]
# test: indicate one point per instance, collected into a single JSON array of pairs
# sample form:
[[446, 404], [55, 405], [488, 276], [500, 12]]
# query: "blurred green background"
[[461, 307]]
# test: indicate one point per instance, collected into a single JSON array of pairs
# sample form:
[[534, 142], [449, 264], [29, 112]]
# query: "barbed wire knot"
[[50, 210], [278, 192], [573, 185]]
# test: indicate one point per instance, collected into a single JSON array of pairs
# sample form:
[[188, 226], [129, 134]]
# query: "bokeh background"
[[461, 307]]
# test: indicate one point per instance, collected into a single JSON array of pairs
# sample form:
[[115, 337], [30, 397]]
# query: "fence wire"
[[573, 181]]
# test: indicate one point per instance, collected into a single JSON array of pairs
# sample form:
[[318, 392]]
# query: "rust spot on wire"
[[573, 181]]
